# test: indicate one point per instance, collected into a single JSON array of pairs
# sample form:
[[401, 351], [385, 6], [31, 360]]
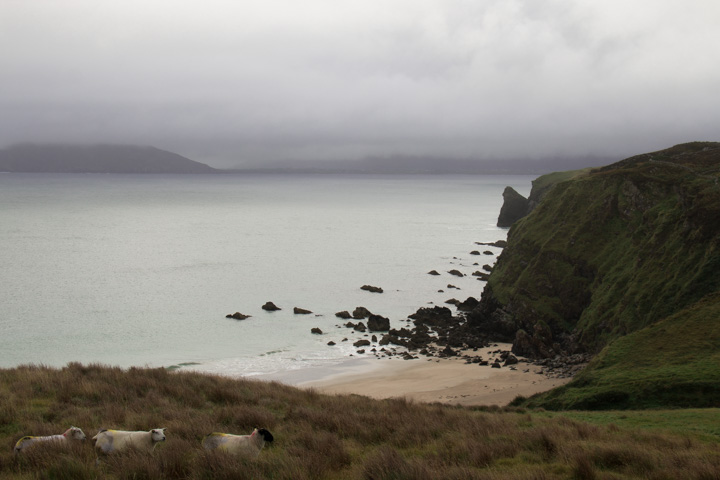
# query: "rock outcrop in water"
[[270, 307], [514, 207], [372, 289]]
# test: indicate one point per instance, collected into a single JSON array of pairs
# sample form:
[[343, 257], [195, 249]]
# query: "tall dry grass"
[[316, 436]]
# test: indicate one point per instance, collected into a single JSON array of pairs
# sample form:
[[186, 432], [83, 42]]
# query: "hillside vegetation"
[[318, 436], [625, 258]]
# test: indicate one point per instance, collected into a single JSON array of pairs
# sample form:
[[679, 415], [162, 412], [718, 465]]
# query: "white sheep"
[[249, 445], [108, 441], [72, 433]]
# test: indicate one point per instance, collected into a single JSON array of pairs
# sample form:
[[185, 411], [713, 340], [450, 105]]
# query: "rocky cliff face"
[[606, 252]]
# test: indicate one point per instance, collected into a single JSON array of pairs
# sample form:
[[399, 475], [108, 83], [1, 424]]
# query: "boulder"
[[474, 252], [447, 352], [316, 331], [457, 273], [301, 311], [270, 307], [237, 316], [433, 272], [468, 305], [360, 327], [361, 312], [331, 343], [372, 289], [511, 360], [376, 323], [361, 343], [345, 315]]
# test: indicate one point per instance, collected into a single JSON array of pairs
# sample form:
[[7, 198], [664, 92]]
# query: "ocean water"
[[140, 270]]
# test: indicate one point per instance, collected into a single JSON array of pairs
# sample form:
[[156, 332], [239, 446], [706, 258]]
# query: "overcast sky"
[[226, 82]]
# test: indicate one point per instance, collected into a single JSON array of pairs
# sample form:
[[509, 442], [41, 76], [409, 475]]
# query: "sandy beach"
[[450, 381]]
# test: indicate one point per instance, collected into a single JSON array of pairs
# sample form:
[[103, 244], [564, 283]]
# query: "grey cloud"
[[234, 81]]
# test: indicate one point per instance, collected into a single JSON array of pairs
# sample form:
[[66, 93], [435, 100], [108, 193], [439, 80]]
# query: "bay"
[[140, 270]]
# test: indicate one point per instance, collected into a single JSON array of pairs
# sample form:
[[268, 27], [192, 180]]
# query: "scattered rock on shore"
[[468, 304], [301, 311], [457, 273], [361, 312], [372, 289], [237, 316], [345, 315], [499, 244], [377, 323], [270, 307], [433, 272], [316, 331]]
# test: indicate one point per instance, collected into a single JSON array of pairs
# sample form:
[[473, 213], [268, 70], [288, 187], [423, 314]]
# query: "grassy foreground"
[[318, 436]]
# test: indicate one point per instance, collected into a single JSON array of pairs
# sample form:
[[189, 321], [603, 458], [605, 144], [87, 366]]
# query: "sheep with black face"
[[247, 445]]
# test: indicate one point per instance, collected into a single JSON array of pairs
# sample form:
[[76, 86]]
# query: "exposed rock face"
[[376, 323], [270, 307], [514, 207]]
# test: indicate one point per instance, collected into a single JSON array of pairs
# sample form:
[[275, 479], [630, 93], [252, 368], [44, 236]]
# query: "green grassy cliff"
[[611, 252]]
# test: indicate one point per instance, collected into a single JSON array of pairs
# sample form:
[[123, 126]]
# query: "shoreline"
[[445, 380]]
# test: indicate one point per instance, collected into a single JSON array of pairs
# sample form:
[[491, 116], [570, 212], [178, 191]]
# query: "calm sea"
[[140, 270]]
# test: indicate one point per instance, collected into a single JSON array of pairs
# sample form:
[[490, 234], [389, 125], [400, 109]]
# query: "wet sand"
[[450, 381]]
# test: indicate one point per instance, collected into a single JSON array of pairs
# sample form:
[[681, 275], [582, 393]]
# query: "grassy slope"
[[614, 251], [674, 362], [317, 436]]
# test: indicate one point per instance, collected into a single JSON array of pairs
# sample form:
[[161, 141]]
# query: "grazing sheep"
[[249, 445], [72, 433], [108, 441]]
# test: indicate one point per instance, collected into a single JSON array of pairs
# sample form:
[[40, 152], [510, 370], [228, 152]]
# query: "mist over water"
[[136, 270]]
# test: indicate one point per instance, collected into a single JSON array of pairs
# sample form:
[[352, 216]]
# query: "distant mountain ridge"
[[59, 158]]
